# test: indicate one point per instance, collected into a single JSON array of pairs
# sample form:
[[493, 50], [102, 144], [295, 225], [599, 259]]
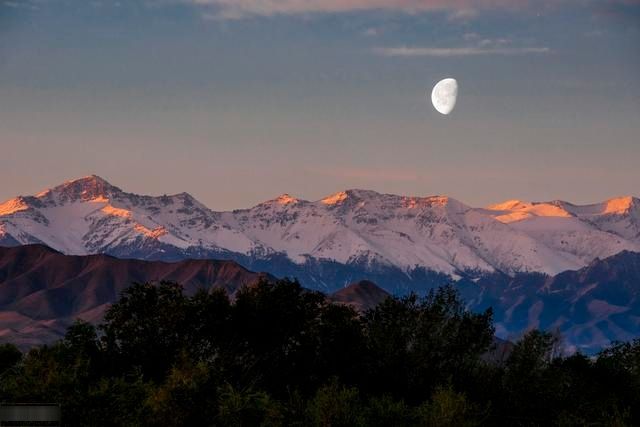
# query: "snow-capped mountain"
[[89, 215], [330, 240]]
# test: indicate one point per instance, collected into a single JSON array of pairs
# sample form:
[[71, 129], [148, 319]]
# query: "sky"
[[238, 101]]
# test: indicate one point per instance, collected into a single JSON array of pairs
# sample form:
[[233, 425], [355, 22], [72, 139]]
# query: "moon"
[[445, 95]]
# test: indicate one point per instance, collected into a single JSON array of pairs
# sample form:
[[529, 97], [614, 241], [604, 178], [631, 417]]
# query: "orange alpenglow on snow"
[[155, 233], [619, 205], [335, 198], [13, 206], [286, 199], [516, 210], [110, 210]]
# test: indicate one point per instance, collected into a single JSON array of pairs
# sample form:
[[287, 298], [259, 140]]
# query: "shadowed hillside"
[[42, 291], [362, 295]]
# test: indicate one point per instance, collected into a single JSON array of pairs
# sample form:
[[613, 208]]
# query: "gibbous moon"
[[444, 95]]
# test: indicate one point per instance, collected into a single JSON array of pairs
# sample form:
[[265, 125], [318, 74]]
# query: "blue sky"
[[239, 101]]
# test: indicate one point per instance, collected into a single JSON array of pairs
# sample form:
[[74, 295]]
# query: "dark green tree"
[[147, 329], [246, 407], [529, 390], [288, 338], [335, 405], [9, 357], [209, 324], [415, 344], [188, 396]]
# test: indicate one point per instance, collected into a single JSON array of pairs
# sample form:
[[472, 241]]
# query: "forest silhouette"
[[278, 354]]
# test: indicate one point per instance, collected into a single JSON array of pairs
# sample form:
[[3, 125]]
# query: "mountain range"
[[551, 265], [402, 243]]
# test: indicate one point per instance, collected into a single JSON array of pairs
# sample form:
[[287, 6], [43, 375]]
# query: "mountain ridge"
[[355, 231]]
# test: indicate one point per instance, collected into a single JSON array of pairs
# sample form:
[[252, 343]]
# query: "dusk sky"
[[238, 101]]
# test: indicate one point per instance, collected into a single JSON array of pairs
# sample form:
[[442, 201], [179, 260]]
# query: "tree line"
[[277, 354]]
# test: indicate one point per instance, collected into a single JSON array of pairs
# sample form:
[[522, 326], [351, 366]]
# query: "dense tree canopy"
[[278, 354]]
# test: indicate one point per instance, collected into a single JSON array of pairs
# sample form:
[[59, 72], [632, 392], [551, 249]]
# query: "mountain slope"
[[42, 291], [591, 307], [400, 242], [586, 232]]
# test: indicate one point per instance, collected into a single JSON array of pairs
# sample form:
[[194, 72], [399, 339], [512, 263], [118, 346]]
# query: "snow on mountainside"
[[353, 227], [89, 215], [586, 232], [439, 233]]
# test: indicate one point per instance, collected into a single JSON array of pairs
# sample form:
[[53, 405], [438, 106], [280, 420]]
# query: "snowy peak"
[[84, 189], [517, 210], [352, 197], [510, 205], [450, 204], [281, 203], [620, 205], [335, 199], [13, 205], [87, 186], [285, 199]]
